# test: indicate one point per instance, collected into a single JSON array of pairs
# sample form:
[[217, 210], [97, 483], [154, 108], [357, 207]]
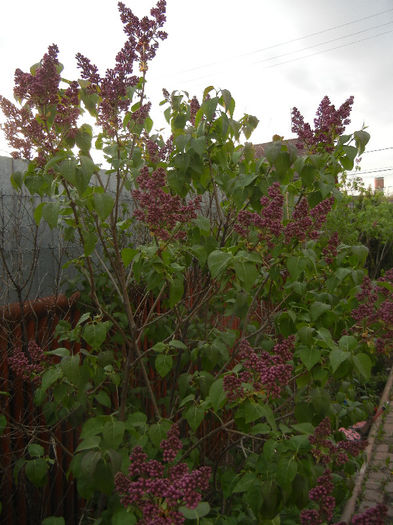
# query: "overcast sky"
[[272, 55]]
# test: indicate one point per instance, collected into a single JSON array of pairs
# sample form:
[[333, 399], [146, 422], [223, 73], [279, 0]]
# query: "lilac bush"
[[215, 348]]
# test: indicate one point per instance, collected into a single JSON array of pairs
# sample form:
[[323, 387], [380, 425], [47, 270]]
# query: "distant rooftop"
[[260, 148]]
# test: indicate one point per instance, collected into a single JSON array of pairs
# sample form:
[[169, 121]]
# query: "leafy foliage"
[[214, 361], [368, 220]]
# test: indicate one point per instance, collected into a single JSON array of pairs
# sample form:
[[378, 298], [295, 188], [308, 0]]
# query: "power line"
[[361, 173], [318, 32], [306, 56], [380, 149], [309, 35], [330, 49], [322, 43]]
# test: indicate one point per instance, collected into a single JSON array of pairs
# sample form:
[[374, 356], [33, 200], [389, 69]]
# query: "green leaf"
[[317, 309], [93, 426], [68, 170], [90, 101], [36, 470], [363, 364], [309, 357], [247, 273], [253, 411], [89, 443], [83, 140], [159, 347], [89, 463], [361, 139], [359, 254], [348, 343], [123, 517], [260, 428], [321, 402], [296, 265], [249, 124], [202, 509], [17, 180], [103, 398], [53, 520], [89, 242], [175, 343], [325, 336], [217, 394], [3, 423], [304, 428], [87, 166], [337, 357], [176, 291], [158, 432], [50, 376], [82, 179], [305, 335], [60, 352], [163, 364], [127, 255], [113, 434], [70, 368], [228, 101], [198, 145], [103, 204], [341, 273], [203, 223], [194, 416], [245, 482], [50, 212], [96, 333], [218, 261], [309, 175], [37, 215], [206, 91], [286, 471], [186, 400], [35, 450], [209, 108]]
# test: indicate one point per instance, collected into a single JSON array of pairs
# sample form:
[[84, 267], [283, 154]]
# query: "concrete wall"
[[34, 256]]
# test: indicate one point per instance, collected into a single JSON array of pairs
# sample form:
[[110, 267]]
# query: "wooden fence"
[[21, 502]]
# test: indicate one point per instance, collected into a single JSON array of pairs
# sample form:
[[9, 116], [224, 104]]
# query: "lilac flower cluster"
[[194, 107], [49, 114], [325, 451], [141, 47], [28, 366], [330, 250], [329, 124], [261, 372], [303, 224], [375, 311], [372, 516], [155, 153], [159, 489], [320, 212], [269, 221], [321, 495], [160, 210], [141, 114], [306, 223]]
